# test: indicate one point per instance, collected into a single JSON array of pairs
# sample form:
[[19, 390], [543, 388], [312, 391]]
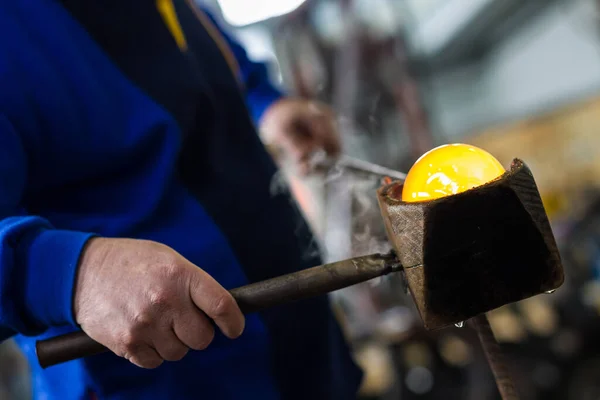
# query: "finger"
[[330, 140], [217, 303], [194, 330], [300, 127], [300, 142], [326, 134], [144, 357], [168, 346]]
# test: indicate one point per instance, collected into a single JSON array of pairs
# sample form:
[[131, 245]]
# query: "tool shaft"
[[495, 358], [251, 298], [365, 166]]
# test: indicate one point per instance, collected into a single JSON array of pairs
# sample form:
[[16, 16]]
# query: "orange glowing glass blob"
[[448, 170]]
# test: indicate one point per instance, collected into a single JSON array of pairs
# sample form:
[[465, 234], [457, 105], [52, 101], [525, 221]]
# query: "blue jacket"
[[109, 126]]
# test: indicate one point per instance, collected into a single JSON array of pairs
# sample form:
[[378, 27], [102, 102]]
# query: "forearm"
[[37, 273], [37, 262]]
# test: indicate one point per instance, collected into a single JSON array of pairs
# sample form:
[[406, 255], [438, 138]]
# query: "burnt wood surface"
[[475, 251]]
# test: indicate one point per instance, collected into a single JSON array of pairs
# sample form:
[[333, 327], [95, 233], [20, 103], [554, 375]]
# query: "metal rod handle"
[[251, 298], [495, 358]]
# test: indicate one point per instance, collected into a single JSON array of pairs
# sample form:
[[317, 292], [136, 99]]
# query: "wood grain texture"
[[473, 252]]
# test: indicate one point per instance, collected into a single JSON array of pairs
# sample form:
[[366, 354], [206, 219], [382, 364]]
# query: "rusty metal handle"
[[495, 358], [251, 298]]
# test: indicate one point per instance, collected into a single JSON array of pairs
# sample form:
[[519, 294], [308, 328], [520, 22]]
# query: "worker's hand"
[[294, 129], [147, 303]]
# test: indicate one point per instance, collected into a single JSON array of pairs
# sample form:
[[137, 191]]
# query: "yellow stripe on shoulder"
[[169, 15]]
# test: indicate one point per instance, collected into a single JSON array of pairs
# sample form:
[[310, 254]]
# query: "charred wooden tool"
[[473, 252], [463, 255]]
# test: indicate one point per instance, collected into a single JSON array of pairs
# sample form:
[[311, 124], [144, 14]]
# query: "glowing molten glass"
[[448, 170]]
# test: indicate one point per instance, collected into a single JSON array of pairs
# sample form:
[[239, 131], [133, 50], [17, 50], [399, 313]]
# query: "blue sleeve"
[[37, 262], [260, 92]]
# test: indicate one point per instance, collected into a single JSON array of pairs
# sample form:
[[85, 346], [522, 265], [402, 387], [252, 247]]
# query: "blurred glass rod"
[[355, 164], [319, 161]]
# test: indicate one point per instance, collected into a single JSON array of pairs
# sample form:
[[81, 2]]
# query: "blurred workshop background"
[[519, 78]]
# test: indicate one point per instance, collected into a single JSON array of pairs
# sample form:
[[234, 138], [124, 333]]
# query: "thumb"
[[217, 303]]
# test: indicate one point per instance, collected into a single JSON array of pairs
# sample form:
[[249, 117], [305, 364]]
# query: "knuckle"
[[128, 339], [171, 268], [205, 339], [129, 344], [140, 322], [159, 300], [222, 305], [120, 351]]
